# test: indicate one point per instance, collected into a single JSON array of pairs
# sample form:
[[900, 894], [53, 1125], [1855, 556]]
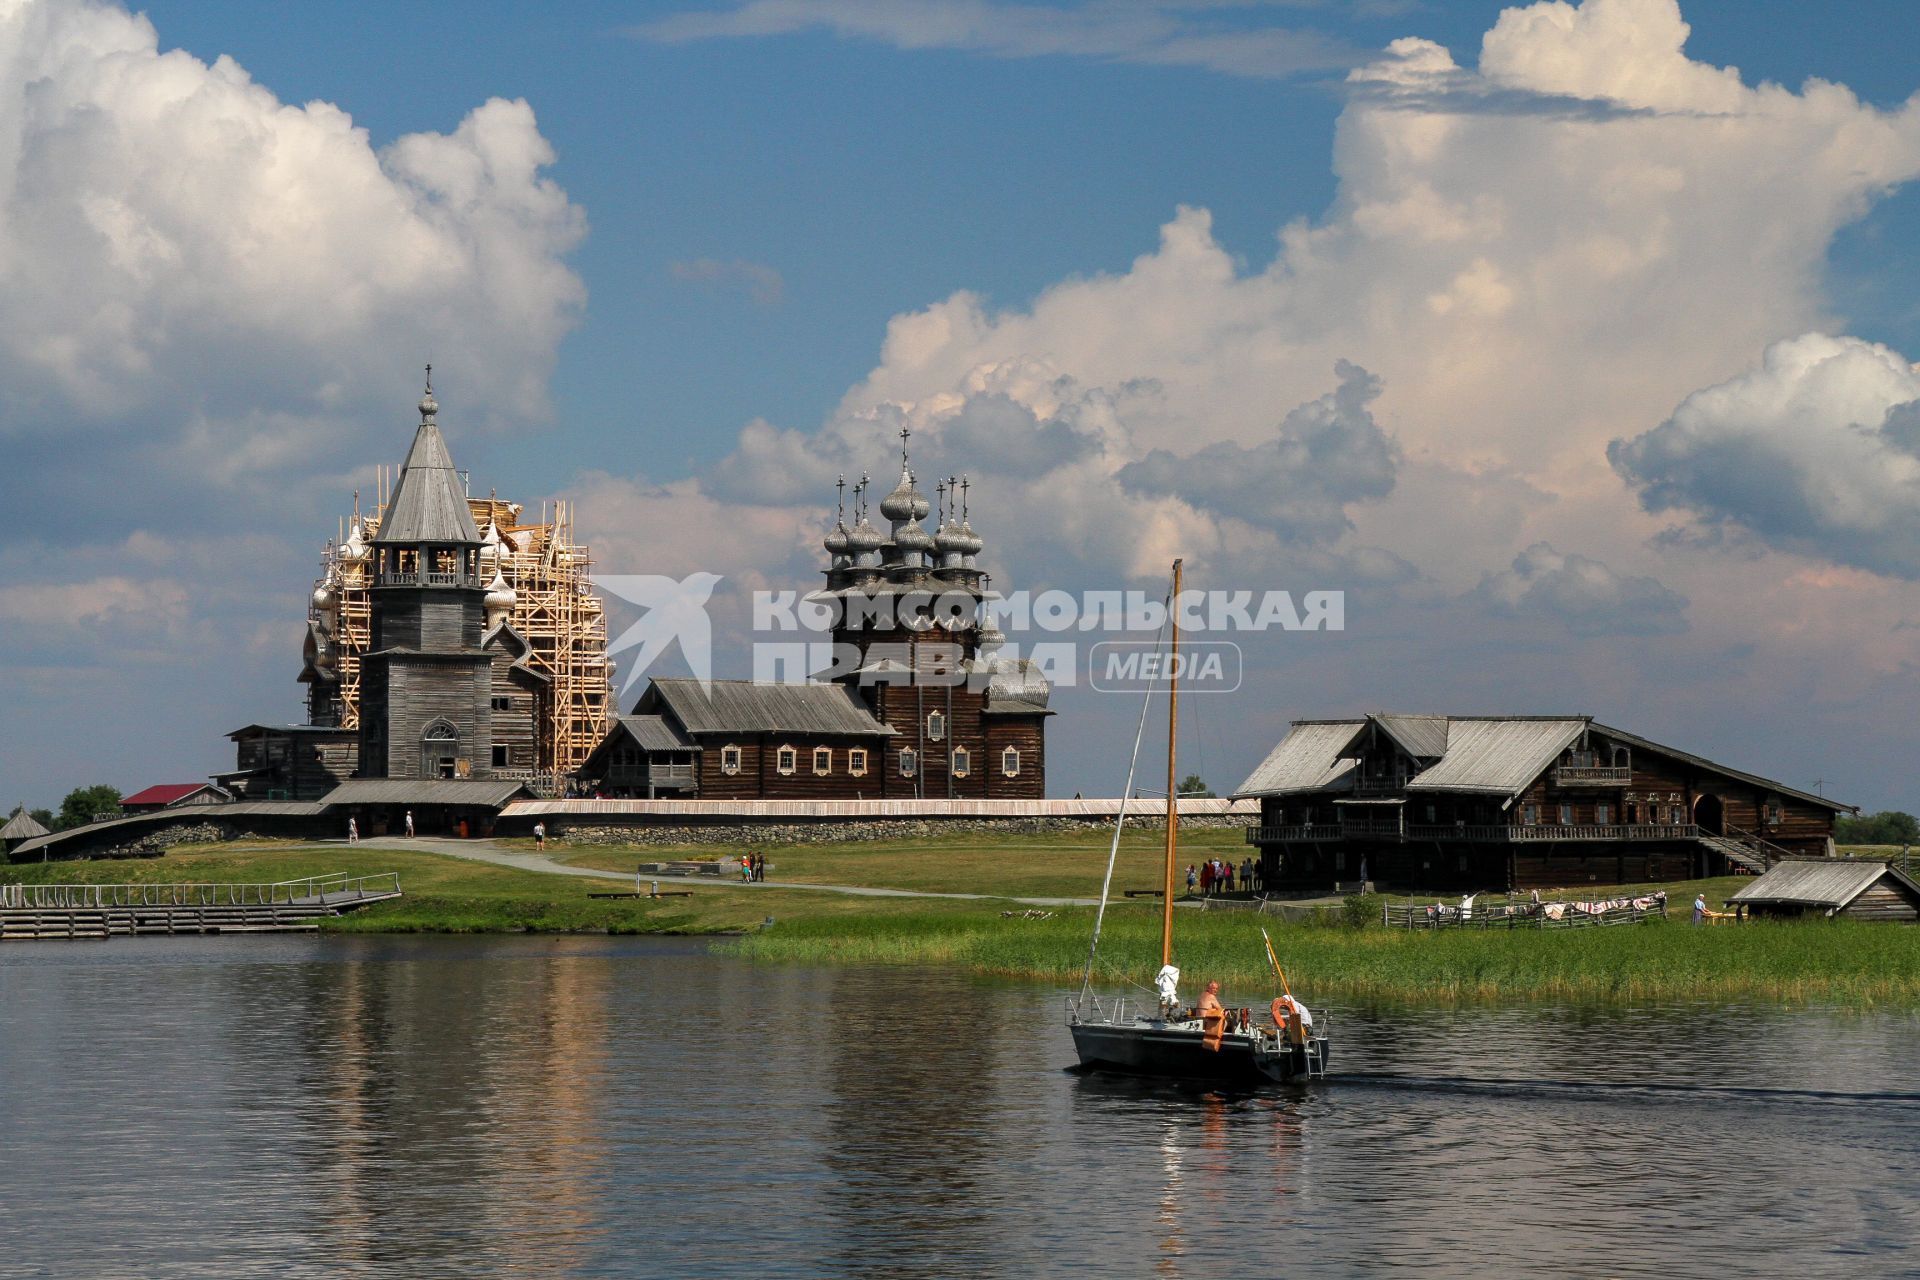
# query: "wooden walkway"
[[33, 911]]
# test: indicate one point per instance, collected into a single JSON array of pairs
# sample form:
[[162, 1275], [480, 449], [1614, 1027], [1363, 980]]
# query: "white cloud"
[[1816, 451], [221, 277], [1587, 597], [1176, 34]]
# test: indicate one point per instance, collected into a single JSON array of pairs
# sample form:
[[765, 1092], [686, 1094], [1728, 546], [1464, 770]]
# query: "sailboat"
[[1217, 1045]]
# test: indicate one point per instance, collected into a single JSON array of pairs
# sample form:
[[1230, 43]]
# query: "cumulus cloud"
[[757, 281], [1330, 453], [1182, 34], [1584, 595], [1816, 450], [219, 282]]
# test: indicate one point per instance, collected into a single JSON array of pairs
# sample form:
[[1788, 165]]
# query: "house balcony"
[[1555, 832], [1587, 775], [1472, 834]]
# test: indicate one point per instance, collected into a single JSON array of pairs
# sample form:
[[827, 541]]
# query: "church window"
[[937, 726], [503, 704], [962, 762], [786, 760], [823, 760], [1010, 762], [729, 760], [1566, 815], [1530, 815], [857, 762], [500, 760], [909, 761]]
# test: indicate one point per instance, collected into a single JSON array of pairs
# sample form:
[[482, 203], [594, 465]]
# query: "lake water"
[[589, 1106]]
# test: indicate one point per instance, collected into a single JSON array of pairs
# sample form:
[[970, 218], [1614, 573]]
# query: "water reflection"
[[596, 1106]]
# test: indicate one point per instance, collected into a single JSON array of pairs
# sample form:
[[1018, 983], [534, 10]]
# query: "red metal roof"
[[164, 794]]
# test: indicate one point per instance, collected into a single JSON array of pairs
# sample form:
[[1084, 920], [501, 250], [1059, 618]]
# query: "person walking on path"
[[409, 824], [353, 832], [1192, 878], [539, 835], [1206, 878]]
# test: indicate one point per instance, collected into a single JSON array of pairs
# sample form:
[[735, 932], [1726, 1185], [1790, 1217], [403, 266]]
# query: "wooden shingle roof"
[[430, 502], [742, 706]]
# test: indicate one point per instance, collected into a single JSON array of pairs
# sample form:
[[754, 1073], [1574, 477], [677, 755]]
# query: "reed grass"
[[1825, 962]]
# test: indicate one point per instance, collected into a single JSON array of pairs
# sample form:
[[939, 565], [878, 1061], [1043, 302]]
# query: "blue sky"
[[735, 204]]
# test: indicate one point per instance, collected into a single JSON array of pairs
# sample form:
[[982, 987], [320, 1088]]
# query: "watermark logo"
[[925, 636], [676, 613], [1120, 666]]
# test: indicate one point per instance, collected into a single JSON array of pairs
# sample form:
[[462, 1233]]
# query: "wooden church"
[[921, 703]]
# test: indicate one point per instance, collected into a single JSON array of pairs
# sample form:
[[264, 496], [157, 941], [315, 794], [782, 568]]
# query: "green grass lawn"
[[1068, 865]]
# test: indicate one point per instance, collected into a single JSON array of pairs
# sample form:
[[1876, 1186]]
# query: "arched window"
[[1010, 762], [440, 750], [823, 760], [936, 726], [962, 762], [857, 761], [908, 762], [786, 760], [729, 759]]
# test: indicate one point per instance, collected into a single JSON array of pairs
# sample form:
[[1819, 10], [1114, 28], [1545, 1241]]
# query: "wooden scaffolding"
[[555, 611]]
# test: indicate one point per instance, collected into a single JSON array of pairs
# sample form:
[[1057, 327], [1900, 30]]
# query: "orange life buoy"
[[1280, 1011]]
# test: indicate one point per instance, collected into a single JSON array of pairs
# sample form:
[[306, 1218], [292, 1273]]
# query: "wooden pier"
[[34, 911]]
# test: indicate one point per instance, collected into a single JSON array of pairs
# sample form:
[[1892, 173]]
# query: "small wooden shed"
[[19, 828], [1850, 888]]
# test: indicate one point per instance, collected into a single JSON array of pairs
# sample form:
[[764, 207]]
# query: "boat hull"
[[1176, 1052]]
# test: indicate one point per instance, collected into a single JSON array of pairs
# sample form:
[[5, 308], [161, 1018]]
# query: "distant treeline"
[[1891, 827]]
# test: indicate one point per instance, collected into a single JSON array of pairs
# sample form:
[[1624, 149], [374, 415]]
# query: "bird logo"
[[675, 610]]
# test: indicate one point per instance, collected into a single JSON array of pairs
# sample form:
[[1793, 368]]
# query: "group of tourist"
[[1216, 877], [753, 866]]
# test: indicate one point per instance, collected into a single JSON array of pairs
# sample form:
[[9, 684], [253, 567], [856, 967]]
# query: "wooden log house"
[[1513, 802]]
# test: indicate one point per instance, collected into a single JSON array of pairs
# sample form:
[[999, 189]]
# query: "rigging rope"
[[1113, 852]]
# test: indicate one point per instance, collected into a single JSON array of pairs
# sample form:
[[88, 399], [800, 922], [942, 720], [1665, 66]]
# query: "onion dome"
[[945, 539], [905, 502], [501, 596], [323, 596], [991, 637], [838, 540], [966, 541], [355, 547], [864, 538], [913, 537], [490, 543]]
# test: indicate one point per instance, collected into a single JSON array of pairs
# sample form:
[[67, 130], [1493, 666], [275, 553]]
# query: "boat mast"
[[1173, 801]]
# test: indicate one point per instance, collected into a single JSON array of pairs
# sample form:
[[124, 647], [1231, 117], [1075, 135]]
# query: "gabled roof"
[[1808, 797], [168, 793], [1307, 759], [742, 706], [21, 826], [429, 503], [1831, 883], [1422, 737], [1497, 755]]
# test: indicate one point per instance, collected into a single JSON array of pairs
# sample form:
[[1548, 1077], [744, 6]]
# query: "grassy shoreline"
[[1817, 962]]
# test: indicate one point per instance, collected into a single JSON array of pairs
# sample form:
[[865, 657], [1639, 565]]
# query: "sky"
[[1572, 343]]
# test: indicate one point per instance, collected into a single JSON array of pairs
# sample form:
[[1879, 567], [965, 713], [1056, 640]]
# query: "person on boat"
[[1210, 1001], [1167, 983], [1292, 1018]]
